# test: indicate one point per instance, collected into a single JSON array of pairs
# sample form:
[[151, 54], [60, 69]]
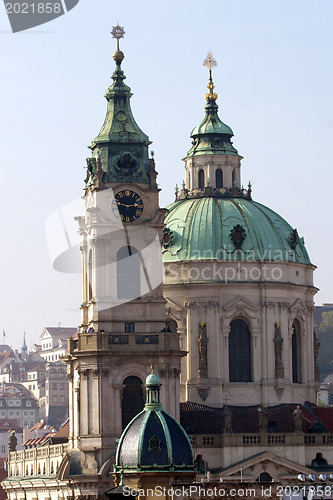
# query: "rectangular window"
[[3, 413], [3, 448], [62, 386], [129, 327], [11, 403], [54, 386], [25, 413], [11, 413], [17, 403], [32, 413], [17, 413]]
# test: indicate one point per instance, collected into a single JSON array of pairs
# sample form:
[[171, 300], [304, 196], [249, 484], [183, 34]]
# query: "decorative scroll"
[[118, 339], [147, 339]]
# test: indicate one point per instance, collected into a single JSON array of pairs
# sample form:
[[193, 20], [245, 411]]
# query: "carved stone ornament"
[[154, 445], [203, 392], [202, 348], [126, 164], [294, 239], [192, 305], [167, 238], [91, 170], [238, 235]]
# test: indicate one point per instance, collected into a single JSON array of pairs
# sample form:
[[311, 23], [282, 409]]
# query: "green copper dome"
[[231, 229], [153, 440]]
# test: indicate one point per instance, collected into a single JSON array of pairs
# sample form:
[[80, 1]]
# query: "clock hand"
[[124, 205]]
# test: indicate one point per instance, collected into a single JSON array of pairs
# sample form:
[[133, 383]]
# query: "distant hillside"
[[325, 337]]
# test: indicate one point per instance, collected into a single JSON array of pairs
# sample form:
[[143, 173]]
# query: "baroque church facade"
[[226, 318]]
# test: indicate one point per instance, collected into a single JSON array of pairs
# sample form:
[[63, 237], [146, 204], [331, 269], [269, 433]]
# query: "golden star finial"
[[118, 32], [210, 63]]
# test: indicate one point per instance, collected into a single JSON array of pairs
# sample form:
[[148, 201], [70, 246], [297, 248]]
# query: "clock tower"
[[123, 322]]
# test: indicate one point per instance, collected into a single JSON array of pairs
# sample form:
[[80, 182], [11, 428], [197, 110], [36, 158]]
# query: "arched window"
[[233, 178], [239, 352], [128, 273], [201, 179], [132, 402], [296, 352], [218, 178], [200, 463], [264, 477]]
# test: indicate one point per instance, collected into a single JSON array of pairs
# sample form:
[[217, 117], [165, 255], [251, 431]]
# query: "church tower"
[[123, 327]]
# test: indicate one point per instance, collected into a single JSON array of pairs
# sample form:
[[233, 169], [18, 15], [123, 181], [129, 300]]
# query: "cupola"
[[153, 440], [212, 160]]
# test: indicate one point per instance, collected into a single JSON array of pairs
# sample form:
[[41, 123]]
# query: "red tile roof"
[[325, 415], [200, 419], [7, 424]]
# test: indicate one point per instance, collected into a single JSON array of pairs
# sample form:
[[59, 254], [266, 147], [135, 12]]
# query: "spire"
[[210, 63], [24, 345], [120, 150], [212, 136]]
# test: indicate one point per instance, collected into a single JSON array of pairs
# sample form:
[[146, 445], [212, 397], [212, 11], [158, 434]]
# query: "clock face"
[[127, 206]]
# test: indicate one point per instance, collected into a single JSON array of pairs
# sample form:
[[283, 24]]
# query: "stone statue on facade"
[[12, 442], [298, 419], [263, 418], [278, 341], [202, 347], [227, 416]]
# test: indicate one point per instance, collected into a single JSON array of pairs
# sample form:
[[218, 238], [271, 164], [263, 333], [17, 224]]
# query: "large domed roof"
[[209, 227]]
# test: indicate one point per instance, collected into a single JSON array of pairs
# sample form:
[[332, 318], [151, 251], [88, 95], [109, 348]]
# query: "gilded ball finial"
[[118, 55]]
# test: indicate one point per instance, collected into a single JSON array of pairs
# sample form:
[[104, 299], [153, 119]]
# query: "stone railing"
[[93, 341], [269, 439], [234, 192], [44, 460]]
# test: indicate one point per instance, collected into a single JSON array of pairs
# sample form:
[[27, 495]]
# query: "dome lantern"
[[212, 159]]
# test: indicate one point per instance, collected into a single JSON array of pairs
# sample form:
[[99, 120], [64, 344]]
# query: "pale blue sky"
[[275, 84]]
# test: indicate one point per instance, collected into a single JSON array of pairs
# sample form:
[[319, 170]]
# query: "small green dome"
[[230, 229], [153, 379]]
